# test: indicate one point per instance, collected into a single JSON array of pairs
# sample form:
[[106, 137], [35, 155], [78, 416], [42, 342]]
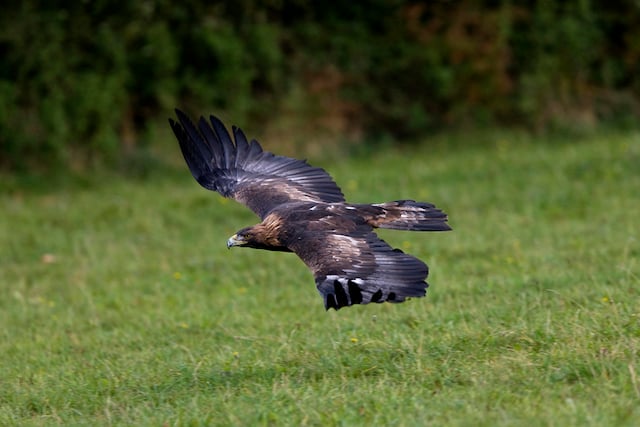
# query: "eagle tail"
[[408, 215]]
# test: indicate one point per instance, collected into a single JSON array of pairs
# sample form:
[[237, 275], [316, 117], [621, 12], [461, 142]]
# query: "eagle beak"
[[235, 240]]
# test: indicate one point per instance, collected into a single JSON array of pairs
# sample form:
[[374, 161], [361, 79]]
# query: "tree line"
[[86, 81]]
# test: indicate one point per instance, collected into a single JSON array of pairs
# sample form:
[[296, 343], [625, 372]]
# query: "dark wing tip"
[[339, 292], [182, 116], [196, 150]]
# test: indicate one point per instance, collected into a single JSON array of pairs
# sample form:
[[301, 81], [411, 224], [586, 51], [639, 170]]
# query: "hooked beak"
[[235, 240]]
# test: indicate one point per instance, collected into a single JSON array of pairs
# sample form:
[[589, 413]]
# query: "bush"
[[81, 81]]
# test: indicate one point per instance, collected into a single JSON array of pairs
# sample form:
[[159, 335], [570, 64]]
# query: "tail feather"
[[409, 215]]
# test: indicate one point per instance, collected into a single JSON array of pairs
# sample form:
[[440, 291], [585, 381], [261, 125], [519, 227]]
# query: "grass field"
[[122, 306]]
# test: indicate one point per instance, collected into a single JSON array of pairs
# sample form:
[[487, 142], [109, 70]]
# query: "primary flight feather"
[[304, 211]]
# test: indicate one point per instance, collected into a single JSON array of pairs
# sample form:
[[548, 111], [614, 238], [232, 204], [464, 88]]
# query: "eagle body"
[[304, 211]]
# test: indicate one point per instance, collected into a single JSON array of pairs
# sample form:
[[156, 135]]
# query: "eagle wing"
[[357, 267], [244, 172]]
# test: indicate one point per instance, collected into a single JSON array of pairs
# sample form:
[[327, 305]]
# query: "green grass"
[[122, 306]]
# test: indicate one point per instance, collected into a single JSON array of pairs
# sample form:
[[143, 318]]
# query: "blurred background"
[[90, 84]]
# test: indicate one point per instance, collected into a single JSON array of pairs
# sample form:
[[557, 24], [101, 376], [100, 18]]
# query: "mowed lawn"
[[121, 305]]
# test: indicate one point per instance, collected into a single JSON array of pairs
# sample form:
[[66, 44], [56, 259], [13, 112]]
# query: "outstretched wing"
[[358, 268], [244, 172]]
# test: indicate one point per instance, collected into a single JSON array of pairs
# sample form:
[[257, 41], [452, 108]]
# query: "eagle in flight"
[[304, 211]]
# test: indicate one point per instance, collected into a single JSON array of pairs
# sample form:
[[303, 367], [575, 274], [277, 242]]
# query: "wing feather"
[[242, 147], [246, 173], [357, 267], [229, 152], [214, 150], [193, 153], [254, 149]]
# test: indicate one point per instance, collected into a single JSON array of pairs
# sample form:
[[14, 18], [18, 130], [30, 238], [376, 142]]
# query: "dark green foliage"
[[82, 82]]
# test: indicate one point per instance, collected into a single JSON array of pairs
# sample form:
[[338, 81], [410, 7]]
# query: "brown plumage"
[[303, 211]]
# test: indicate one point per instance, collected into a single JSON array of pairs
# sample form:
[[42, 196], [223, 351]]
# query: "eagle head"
[[257, 237], [250, 237], [243, 237]]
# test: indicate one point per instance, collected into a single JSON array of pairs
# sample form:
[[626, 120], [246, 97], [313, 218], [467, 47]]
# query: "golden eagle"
[[303, 211]]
